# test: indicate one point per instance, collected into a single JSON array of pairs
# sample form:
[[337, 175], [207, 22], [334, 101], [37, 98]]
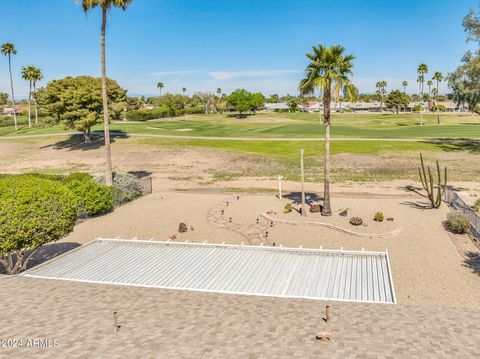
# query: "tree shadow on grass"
[[456, 145], [296, 197], [77, 141], [473, 262]]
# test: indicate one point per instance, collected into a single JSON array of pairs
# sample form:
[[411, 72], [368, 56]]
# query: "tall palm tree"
[[184, 90], [381, 90], [421, 70], [219, 91], [106, 6], [37, 76], [8, 49], [405, 84], [28, 73], [437, 77], [429, 84], [160, 87], [328, 72]]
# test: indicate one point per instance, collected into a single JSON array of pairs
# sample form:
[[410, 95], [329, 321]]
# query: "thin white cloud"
[[229, 75], [170, 73]]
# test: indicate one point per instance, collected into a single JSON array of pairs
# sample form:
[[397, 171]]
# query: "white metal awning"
[[339, 275]]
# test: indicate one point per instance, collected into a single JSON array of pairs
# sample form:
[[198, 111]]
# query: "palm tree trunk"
[[381, 103], [35, 99], [106, 129], [327, 97], [13, 93], [30, 106], [436, 104]]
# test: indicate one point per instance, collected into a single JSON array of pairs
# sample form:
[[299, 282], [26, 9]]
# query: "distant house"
[[276, 107], [8, 111], [346, 106], [148, 106], [450, 106]]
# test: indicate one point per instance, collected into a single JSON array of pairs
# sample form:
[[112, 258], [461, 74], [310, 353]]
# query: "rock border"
[[395, 232]]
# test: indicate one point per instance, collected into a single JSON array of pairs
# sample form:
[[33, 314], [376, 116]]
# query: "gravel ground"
[[426, 266]]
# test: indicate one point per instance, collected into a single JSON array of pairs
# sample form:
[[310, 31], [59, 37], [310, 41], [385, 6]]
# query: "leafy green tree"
[[328, 72], [273, 99], [77, 102], [28, 74], [397, 100], [465, 79], [293, 106], [160, 87], [8, 49], [34, 211], [240, 100], [106, 6], [3, 100], [257, 101], [381, 91]]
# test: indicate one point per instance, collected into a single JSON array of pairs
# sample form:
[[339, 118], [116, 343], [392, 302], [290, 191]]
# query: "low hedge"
[[145, 115], [90, 197]]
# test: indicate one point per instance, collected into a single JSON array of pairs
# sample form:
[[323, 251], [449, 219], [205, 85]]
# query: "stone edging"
[[255, 234], [331, 226]]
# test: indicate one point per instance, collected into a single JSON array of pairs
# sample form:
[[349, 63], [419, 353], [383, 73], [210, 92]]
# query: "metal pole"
[[280, 187], [115, 322], [304, 212]]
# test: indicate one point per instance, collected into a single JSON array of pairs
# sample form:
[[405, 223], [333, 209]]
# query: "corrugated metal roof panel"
[[255, 270]]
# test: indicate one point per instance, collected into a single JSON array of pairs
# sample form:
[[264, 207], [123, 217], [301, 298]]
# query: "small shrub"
[[192, 110], [77, 176], [90, 198], [287, 208], [356, 221], [458, 222], [477, 205], [417, 108], [378, 217], [440, 108], [126, 188]]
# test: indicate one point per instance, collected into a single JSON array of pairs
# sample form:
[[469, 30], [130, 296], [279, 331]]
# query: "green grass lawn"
[[287, 125]]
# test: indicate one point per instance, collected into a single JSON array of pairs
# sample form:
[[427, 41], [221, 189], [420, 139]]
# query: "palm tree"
[[219, 91], [160, 87], [429, 84], [184, 90], [437, 76], [8, 49], [421, 70], [28, 73], [381, 90], [405, 84], [328, 71], [37, 76], [106, 6]]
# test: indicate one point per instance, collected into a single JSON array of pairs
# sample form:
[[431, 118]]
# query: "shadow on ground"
[[77, 141], [457, 145], [49, 251], [140, 174], [473, 262], [296, 197]]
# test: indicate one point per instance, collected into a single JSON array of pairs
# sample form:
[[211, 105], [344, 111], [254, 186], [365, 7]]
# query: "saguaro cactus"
[[428, 184]]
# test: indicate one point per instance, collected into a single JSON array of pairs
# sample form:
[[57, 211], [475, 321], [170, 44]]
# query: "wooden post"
[[327, 313], [280, 187], [115, 322], [304, 212]]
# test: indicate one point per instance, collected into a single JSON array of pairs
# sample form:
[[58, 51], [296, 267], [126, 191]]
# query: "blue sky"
[[257, 45]]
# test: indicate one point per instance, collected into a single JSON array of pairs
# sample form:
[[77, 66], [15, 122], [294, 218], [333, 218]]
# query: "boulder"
[[343, 213], [315, 208], [182, 228]]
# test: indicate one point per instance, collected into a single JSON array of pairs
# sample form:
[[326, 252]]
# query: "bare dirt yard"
[[192, 183]]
